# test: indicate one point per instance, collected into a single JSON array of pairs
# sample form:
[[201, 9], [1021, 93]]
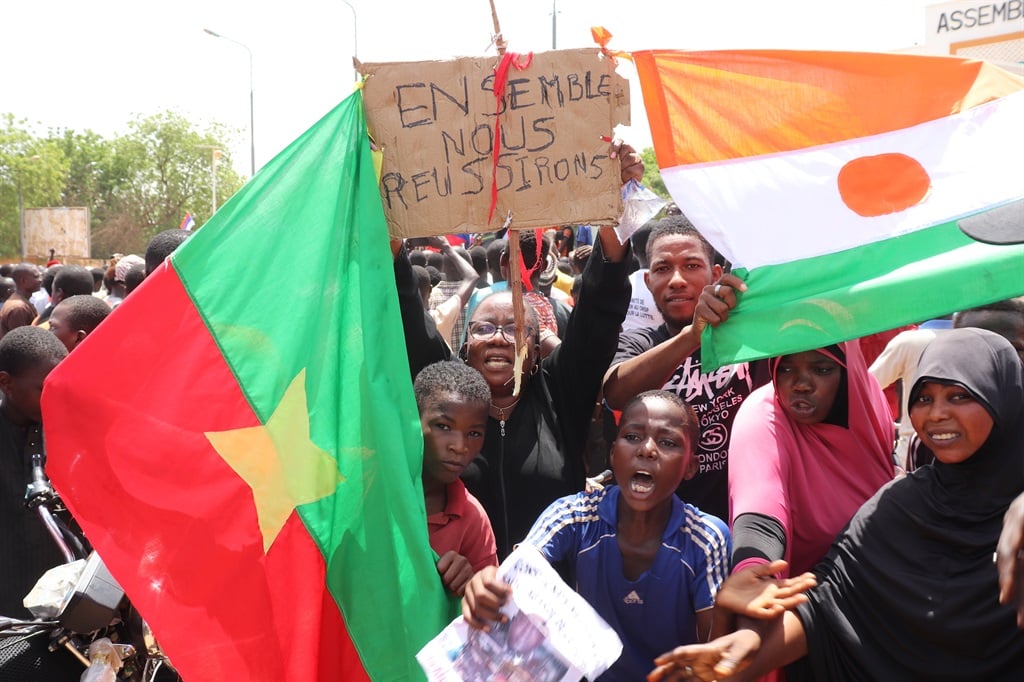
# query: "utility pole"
[[252, 108], [215, 154], [355, 35], [554, 24]]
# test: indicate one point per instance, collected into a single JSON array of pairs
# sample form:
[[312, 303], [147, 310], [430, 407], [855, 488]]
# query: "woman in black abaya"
[[909, 590]]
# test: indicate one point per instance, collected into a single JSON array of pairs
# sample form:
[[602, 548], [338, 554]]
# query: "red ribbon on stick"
[[520, 63]]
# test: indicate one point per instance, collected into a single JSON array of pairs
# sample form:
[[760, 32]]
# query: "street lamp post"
[[355, 35], [252, 114]]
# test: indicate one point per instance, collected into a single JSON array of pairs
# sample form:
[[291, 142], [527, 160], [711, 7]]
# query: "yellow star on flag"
[[279, 462]]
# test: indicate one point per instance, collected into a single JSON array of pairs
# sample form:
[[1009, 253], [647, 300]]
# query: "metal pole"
[[215, 153], [355, 35], [554, 24], [252, 108]]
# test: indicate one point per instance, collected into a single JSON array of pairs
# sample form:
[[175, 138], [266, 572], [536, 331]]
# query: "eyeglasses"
[[484, 331]]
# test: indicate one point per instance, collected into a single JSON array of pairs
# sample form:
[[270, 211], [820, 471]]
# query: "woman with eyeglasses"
[[533, 452]]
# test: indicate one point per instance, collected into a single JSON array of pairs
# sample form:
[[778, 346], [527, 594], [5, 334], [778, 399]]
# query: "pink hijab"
[[811, 478]]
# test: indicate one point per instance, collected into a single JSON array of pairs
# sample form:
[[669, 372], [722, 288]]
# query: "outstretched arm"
[[631, 167], [755, 592], [650, 369], [469, 275], [745, 654], [424, 344]]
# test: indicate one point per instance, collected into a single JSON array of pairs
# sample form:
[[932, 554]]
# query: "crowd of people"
[[760, 520], [30, 295], [767, 514], [809, 451], [47, 312]]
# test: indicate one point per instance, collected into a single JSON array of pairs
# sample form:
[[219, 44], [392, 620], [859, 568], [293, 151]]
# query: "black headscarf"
[[909, 589]]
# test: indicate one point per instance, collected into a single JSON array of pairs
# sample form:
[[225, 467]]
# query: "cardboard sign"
[[435, 123]]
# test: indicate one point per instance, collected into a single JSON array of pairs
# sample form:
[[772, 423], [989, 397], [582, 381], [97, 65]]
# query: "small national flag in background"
[[833, 182], [188, 222], [249, 468]]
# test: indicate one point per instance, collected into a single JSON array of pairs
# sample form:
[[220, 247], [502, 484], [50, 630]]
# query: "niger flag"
[[833, 182], [240, 441]]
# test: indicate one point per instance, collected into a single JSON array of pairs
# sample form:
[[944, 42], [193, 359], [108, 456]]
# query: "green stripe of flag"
[[873, 288], [304, 281]]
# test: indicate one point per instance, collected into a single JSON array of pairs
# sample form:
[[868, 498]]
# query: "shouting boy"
[[647, 562]]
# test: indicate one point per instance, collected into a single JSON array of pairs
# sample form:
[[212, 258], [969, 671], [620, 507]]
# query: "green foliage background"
[[134, 184], [652, 175]]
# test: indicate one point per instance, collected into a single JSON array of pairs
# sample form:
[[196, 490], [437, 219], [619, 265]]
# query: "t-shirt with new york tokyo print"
[[715, 397]]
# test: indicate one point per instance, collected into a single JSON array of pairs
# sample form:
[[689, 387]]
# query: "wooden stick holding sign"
[[499, 39], [514, 256], [470, 141]]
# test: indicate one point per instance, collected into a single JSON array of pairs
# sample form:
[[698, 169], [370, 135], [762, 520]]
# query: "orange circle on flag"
[[887, 183]]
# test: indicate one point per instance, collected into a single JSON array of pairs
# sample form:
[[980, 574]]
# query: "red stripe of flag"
[[195, 568]]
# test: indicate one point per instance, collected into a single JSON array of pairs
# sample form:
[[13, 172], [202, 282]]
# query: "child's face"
[[950, 421], [22, 393], [651, 454], [453, 433], [61, 328]]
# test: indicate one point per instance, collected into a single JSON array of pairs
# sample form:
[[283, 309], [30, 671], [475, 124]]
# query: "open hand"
[[754, 591], [719, 658]]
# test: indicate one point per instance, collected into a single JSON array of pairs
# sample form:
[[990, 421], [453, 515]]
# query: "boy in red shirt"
[[453, 400]]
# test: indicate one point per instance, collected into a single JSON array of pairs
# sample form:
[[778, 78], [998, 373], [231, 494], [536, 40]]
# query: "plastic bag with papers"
[[46, 597], [639, 205], [552, 634], [104, 661]]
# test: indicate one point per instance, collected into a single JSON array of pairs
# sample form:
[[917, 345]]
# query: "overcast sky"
[[95, 64]]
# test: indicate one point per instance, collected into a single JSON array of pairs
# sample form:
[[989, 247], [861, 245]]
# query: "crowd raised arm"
[[708, 548], [540, 410]]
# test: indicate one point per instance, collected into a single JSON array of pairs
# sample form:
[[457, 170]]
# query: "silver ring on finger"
[[718, 288], [688, 671]]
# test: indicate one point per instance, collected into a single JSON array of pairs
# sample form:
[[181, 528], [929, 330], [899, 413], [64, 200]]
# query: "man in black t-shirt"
[[682, 266]]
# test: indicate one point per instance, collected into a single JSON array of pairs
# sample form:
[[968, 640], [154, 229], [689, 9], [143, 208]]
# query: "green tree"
[[32, 174], [134, 185], [159, 170], [89, 182], [652, 174]]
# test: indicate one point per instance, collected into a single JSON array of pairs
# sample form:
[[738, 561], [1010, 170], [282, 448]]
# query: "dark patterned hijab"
[[909, 589], [990, 370]]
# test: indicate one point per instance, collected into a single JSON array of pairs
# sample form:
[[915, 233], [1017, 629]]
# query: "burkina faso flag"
[[240, 441]]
